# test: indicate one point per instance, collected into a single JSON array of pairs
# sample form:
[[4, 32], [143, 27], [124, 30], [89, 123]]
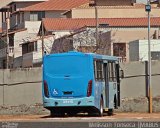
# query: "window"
[[33, 16], [112, 71], [4, 16], [11, 40], [35, 46], [119, 49], [37, 16], [155, 55], [11, 9], [15, 7], [32, 46], [18, 18], [22, 17], [98, 70]]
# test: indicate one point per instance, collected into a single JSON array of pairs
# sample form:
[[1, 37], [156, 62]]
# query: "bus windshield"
[[66, 65]]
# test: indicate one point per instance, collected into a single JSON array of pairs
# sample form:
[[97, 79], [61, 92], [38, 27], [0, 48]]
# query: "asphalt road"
[[119, 120]]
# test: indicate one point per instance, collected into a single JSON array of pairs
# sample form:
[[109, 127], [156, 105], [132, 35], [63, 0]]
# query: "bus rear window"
[[67, 65]]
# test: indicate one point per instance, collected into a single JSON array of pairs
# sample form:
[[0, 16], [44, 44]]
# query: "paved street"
[[83, 118], [81, 121]]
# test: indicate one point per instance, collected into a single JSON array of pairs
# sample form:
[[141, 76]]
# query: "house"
[[121, 31], [113, 9], [3, 3], [84, 40], [24, 20], [138, 50]]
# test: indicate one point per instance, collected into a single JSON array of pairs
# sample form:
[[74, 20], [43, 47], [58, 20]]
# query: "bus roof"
[[94, 55]]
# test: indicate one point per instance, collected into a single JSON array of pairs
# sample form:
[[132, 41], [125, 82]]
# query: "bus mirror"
[[121, 73]]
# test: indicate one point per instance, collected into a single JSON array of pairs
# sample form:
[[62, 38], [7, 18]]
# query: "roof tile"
[[55, 5], [52, 24]]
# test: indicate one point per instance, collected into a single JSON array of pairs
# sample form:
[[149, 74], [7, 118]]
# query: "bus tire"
[[56, 114], [110, 112], [100, 113], [72, 114]]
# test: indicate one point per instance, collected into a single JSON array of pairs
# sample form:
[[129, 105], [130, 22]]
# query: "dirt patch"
[[23, 109], [139, 104]]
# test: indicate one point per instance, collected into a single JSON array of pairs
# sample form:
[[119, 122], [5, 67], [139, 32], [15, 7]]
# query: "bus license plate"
[[68, 101]]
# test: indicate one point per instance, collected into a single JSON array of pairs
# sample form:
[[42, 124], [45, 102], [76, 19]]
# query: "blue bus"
[[76, 82]]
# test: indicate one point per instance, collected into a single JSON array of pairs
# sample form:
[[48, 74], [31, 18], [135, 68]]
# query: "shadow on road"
[[81, 115]]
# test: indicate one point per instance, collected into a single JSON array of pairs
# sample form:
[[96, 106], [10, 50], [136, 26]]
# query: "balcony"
[[29, 59]]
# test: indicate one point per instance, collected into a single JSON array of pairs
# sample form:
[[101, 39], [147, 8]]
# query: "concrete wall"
[[134, 83], [23, 86]]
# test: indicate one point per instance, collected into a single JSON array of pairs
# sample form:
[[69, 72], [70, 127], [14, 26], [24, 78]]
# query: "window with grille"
[[37, 16]]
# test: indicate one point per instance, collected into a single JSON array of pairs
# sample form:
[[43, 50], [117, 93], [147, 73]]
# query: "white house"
[[138, 50]]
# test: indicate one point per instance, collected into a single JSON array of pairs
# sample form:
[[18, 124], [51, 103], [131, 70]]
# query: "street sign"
[[148, 8]]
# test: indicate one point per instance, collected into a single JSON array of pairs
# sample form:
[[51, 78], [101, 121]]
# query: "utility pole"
[[7, 37], [42, 40], [96, 17], [148, 9]]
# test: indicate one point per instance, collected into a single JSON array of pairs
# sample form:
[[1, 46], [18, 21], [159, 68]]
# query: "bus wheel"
[[101, 108], [57, 114], [110, 112], [72, 113]]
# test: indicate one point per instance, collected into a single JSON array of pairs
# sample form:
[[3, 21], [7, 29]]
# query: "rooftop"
[[15, 1], [56, 5], [52, 24]]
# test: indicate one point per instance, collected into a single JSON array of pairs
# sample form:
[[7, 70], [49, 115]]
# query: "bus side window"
[[95, 70], [98, 67], [112, 71]]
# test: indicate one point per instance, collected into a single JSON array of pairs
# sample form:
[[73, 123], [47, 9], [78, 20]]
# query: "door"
[[106, 83]]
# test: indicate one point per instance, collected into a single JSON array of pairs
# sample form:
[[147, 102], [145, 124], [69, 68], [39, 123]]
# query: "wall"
[[113, 2], [113, 12], [133, 51], [23, 86], [143, 48], [134, 83], [19, 38], [54, 14], [32, 26]]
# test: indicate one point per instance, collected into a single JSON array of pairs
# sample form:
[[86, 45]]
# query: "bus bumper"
[[72, 102]]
